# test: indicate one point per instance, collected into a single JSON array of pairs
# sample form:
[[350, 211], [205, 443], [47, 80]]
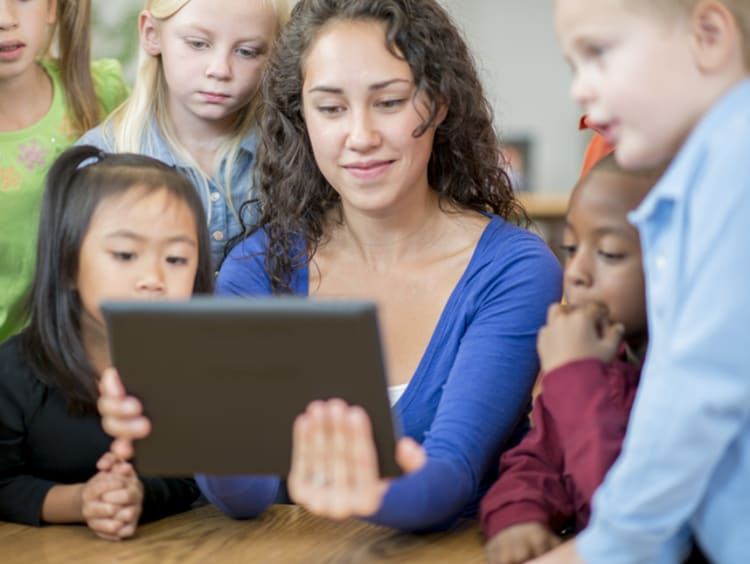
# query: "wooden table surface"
[[283, 534]]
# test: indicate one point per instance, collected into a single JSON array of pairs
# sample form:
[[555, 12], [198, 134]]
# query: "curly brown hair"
[[465, 168]]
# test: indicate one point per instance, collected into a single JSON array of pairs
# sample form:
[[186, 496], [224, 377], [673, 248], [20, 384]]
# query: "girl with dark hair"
[[112, 227], [380, 181]]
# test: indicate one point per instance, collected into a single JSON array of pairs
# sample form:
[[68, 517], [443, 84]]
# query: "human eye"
[[247, 52], [593, 50], [611, 256], [391, 103], [330, 109], [568, 250], [177, 260], [196, 43], [122, 256]]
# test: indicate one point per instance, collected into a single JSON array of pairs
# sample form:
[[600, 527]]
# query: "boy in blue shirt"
[[667, 80]]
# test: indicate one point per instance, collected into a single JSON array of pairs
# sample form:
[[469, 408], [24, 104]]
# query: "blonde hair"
[[70, 36], [740, 9], [129, 124]]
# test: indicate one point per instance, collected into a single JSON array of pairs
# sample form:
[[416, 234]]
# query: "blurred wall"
[[514, 43]]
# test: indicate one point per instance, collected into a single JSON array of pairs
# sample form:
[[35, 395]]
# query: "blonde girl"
[[194, 102], [46, 102]]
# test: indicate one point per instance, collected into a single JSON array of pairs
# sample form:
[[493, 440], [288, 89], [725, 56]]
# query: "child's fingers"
[[120, 496], [106, 462], [110, 384], [101, 483], [128, 514], [123, 448], [127, 530], [105, 528], [99, 510]]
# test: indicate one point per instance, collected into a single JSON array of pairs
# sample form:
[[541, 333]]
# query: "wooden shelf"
[[545, 206]]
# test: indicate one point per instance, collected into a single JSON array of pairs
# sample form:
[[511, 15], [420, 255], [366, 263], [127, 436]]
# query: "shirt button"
[[660, 262], [218, 235], [215, 196]]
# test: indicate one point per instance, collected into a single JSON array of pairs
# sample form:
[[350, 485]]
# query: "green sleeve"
[[109, 84]]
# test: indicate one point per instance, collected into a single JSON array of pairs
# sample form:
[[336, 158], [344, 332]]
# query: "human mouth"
[[368, 170], [607, 129], [11, 50], [214, 97]]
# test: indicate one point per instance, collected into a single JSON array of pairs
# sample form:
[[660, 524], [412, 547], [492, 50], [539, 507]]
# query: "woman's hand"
[[122, 415], [334, 461], [111, 501], [575, 333], [520, 543]]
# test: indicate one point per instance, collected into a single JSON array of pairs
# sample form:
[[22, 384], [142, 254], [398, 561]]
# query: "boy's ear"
[[148, 30], [715, 34]]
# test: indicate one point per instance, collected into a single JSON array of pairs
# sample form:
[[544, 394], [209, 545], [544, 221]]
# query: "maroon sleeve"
[[530, 487], [591, 416]]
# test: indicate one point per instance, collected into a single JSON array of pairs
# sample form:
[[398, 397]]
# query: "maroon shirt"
[[578, 424]]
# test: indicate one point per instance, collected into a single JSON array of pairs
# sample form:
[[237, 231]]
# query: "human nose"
[[8, 19], [363, 132], [578, 271], [581, 90], [151, 278], [219, 67]]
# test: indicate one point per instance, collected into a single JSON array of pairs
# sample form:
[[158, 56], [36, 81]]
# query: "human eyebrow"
[[617, 230], [200, 30], [375, 86], [124, 234], [127, 234]]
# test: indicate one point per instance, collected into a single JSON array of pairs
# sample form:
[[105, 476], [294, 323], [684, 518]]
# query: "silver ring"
[[320, 479]]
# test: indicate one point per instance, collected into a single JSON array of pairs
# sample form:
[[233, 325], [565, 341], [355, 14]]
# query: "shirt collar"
[[160, 149]]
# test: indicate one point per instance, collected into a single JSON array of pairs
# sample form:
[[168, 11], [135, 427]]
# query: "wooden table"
[[283, 534]]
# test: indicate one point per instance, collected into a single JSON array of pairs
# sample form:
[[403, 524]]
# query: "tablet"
[[222, 379]]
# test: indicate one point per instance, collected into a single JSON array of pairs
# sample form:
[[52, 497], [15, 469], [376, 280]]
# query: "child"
[[45, 104], [668, 81], [590, 376], [123, 227], [195, 98]]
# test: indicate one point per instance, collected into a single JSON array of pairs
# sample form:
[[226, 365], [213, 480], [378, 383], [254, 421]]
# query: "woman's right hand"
[[122, 415]]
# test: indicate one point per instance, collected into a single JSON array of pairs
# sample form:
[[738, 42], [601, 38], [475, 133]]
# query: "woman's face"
[[361, 113]]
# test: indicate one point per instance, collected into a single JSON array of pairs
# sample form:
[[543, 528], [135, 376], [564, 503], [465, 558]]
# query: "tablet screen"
[[222, 379]]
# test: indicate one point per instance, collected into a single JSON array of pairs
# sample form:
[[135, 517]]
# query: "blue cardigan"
[[469, 395]]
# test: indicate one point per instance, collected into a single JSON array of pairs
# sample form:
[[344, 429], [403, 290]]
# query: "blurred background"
[[523, 72]]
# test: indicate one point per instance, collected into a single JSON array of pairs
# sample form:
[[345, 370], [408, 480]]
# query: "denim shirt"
[[222, 215], [685, 463]]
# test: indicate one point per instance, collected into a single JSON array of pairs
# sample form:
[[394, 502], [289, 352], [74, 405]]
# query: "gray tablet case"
[[223, 379]]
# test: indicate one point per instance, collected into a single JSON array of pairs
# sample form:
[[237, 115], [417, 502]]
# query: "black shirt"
[[43, 445]]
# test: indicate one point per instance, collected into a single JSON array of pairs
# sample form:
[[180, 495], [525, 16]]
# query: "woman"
[[380, 181]]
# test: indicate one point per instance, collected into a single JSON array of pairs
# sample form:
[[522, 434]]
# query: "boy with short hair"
[[667, 80]]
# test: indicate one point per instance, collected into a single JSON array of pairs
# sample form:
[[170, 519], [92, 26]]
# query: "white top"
[[395, 392]]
